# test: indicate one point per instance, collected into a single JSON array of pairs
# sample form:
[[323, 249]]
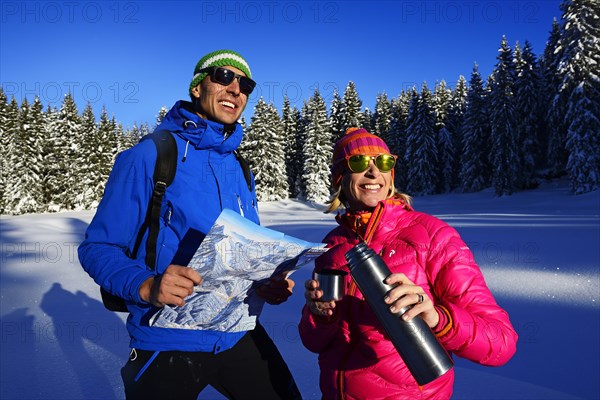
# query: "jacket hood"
[[201, 133]]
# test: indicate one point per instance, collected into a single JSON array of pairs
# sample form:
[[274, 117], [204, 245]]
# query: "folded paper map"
[[234, 258]]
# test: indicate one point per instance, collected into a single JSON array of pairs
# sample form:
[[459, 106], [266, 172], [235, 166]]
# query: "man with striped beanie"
[[240, 361], [224, 95]]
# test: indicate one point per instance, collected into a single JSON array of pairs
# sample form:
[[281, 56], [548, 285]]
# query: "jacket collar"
[[363, 224], [201, 133]]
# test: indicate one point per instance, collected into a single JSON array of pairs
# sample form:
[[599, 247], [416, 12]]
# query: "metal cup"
[[331, 282]]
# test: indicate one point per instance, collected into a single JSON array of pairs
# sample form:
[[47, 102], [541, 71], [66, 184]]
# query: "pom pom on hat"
[[354, 141], [219, 58]]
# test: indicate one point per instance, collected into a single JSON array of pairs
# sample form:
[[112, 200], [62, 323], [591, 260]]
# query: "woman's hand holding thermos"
[[408, 294]]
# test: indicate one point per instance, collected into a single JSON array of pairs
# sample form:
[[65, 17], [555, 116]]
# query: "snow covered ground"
[[539, 251]]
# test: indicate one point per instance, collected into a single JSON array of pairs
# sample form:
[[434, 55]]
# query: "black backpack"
[[164, 173]]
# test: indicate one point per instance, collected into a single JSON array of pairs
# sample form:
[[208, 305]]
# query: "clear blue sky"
[[136, 56]]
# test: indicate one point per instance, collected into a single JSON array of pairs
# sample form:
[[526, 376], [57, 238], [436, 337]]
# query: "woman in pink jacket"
[[433, 268]]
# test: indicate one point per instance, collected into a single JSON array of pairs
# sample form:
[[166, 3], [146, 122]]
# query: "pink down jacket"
[[356, 358]]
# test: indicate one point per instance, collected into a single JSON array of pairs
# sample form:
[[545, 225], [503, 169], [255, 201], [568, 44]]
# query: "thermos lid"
[[358, 254]]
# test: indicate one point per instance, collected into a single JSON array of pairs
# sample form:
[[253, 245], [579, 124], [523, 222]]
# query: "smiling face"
[[363, 190], [219, 103]]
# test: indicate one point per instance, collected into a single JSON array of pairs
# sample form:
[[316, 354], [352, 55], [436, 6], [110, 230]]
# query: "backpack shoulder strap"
[[164, 173], [245, 169]]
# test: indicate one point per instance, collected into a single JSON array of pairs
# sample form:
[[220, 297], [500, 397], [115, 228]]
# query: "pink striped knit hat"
[[354, 141]]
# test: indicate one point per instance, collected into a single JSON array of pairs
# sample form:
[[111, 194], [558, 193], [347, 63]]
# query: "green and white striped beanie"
[[219, 58]]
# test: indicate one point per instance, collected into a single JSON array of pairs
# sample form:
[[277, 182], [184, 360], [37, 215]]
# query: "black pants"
[[252, 369]]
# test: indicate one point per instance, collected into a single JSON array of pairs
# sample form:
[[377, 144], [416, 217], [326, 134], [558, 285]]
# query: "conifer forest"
[[535, 117]]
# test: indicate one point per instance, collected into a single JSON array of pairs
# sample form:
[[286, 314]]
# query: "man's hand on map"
[[172, 287], [276, 290]]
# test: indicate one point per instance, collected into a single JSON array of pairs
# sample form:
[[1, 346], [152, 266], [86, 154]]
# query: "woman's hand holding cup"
[[322, 292]]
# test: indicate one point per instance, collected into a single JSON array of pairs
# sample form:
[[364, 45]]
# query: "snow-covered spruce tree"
[[133, 135], [264, 149], [504, 150], [446, 158], [59, 164], [87, 164], [292, 158], [145, 129], [77, 157], [441, 101], [528, 115], [557, 148], [581, 86], [396, 139], [114, 139], [106, 150], [249, 146], [421, 150], [299, 149], [382, 117], [161, 114], [317, 151], [10, 133], [4, 143], [583, 141], [120, 138], [488, 111], [29, 163], [552, 142], [366, 120], [459, 98], [351, 106], [303, 122], [475, 167], [48, 149], [517, 58], [454, 123], [336, 119], [444, 138], [25, 183]]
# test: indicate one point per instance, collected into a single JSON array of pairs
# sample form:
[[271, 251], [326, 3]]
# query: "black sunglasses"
[[225, 76]]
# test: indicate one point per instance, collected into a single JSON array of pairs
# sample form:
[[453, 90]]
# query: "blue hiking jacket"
[[209, 178]]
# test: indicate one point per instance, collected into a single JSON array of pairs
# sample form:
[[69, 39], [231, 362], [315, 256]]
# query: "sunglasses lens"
[[358, 163], [223, 76], [385, 162], [246, 85]]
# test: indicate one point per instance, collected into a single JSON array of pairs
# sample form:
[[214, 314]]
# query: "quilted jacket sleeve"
[[115, 225], [479, 330], [316, 332]]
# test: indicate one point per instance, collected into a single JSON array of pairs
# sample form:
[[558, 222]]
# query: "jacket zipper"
[[351, 292], [369, 232]]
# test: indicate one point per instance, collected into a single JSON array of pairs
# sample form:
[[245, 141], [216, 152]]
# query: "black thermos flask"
[[417, 345]]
